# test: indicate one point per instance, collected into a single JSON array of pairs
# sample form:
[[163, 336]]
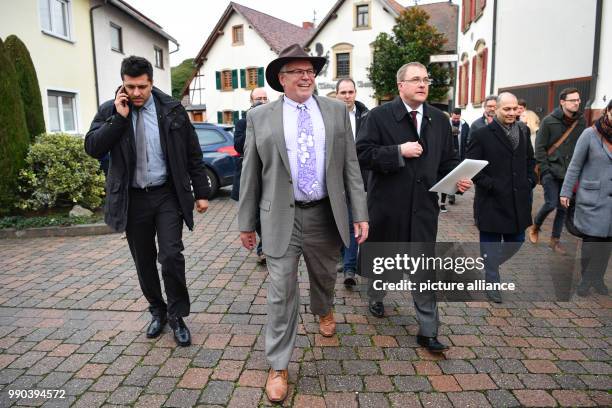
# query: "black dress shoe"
[[156, 327], [182, 336], [349, 278], [583, 288], [601, 288], [377, 309], [432, 344], [494, 296]]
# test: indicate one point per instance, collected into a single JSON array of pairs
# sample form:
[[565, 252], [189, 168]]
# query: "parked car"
[[218, 154]]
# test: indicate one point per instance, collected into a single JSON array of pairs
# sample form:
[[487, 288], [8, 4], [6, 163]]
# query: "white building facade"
[[120, 31]]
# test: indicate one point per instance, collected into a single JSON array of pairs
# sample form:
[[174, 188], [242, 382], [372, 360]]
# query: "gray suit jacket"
[[266, 184]]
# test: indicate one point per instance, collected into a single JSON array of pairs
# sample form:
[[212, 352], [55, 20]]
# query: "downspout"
[[93, 47], [493, 48], [595, 69]]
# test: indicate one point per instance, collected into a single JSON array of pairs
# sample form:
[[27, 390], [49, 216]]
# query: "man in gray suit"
[[300, 170]]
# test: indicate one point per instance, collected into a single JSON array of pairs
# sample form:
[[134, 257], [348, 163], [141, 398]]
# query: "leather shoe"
[[276, 386], [432, 344], [377, 309], [494, 296], [156, 327], [327, 324], [349, 278], [182, 336], [601, 288], [533, 233]]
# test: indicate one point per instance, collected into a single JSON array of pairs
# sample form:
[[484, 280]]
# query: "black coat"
[[111, 132], [239, 139], [361, 112], [503, 188], [400, 207], [461, 146]]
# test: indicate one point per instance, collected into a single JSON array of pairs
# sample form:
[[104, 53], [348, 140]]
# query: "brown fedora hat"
[[293, 52]]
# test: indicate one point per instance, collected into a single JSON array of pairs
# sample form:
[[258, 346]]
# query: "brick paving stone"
[[411, 383], [77, 386], [308, 401], [244, 397], [370, 353], [207, 358], [431, 399], [396, 368], [227, 370], [360, 367], [107, 383], [511, 366], [384, 341], [538, 381], [373, 400], [475, 382], [597, 382], [573, 398], [540, 366], [174, 367], [182, 398], [426, 368], [91, 371], [467, 340], [535, 398], [217, 392], [141, 375], [308, 385], [91, 400], [150, 401], [54, 381], [569, 382], [456, 367], [468, 399], [161, 385], [507, 381], [444, 383], [341, 400], [343, 383], [502, 399], [253, 378], [597, 367], [122, 365], [327, 367]]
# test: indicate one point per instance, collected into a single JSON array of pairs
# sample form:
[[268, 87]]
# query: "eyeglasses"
[[300, 72], [418, 81], [573, 100], [261, 99]]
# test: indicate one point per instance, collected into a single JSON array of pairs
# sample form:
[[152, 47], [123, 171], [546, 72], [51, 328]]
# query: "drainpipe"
[[493, 48], [93, 47], [595, 69]]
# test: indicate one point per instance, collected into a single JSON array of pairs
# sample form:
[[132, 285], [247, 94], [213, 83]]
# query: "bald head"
[[506, 109], [259, 95]]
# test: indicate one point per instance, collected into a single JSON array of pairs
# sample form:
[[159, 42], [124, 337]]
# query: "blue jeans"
[[552, 188], [349, 255], [497, 253]]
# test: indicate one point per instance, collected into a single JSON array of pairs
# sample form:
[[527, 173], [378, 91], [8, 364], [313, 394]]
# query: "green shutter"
[[236, 116], [219, 117], [218, 78], [234, 78], [243, 114], [243, 83], [260, 77]]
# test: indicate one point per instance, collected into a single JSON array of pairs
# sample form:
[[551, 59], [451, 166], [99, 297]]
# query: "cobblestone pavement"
[[72, 318]]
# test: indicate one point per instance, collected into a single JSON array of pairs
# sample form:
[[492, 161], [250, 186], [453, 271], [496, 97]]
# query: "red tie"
[[414, 120]]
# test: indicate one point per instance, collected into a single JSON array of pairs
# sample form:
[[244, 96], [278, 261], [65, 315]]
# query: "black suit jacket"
[[503, 188]]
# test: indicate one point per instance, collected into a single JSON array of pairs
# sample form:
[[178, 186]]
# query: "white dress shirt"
[[290, 125], [352, 114], [419, 116]]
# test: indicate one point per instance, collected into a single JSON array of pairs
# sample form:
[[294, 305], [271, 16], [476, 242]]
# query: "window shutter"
[[218, 78], [473, 78], [463, 10], [243, 82], [234, 78], [235, 116], [483, 3], [460, 83], [483, 84], [472, 10], [243, 115], [219, 117], [260, 77]]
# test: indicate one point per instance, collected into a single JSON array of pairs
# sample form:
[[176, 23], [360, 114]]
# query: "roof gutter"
[[493, 48], [596, 48], [93, 47]]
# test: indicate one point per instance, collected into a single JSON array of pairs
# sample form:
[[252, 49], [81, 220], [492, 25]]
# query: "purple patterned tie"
[[307, 161]]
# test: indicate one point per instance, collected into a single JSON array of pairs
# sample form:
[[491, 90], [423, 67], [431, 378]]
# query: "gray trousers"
[[316, 237], [425, 305]]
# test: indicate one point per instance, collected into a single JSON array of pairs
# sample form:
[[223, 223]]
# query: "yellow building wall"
[[60, 65]]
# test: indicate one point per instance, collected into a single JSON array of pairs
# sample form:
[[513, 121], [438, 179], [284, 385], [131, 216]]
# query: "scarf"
[[512, 132], [568, 120], [604, 126]]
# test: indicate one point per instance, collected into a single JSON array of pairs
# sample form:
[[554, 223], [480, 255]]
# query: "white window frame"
[[75, 109], [68, 19]]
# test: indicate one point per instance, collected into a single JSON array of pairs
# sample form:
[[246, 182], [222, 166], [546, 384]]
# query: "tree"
[[180, 74], [14, 138], [413, 39], [28, 84]]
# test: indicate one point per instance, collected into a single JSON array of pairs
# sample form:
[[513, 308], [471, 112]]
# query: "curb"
[[68, 231]]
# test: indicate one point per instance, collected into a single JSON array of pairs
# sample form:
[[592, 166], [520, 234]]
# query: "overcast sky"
[[191, 21]]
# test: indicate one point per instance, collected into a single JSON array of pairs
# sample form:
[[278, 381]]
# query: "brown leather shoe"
[[533, 231], [276, 386], [327, 324], [556, 246]]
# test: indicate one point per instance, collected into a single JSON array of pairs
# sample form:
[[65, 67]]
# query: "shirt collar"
[[309, 102], [419, 109], [149, 102]]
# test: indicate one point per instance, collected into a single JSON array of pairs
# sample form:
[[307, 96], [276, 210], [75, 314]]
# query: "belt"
[[308, 204], [149, 188]]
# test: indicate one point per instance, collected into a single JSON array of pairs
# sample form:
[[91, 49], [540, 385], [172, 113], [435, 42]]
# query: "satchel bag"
[[552, 149], [570, 226]]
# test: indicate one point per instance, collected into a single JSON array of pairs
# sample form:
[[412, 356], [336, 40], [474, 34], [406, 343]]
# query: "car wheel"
[[213, 182]]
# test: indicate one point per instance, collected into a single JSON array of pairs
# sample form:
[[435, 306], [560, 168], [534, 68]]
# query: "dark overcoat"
[[503, 188], [400, 206], [111, 132]]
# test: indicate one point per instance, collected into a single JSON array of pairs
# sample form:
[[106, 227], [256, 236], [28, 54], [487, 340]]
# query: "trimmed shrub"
[[14, 138], [28, 84], [59, 173]]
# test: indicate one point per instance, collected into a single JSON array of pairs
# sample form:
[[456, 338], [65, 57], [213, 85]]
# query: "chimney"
[[307, 25]]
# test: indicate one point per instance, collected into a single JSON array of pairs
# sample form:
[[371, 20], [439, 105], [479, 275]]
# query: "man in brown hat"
[[300, 170]]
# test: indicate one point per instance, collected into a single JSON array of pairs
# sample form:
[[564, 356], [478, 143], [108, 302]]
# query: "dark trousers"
[[349, 255], [158, 213], [595, 256], [497, 252], [552, 187]]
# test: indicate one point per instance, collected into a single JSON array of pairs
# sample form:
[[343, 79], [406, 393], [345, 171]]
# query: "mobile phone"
[[123, 91]]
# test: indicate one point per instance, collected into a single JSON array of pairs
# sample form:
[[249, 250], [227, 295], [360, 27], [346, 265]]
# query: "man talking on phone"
[[155, 171]]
